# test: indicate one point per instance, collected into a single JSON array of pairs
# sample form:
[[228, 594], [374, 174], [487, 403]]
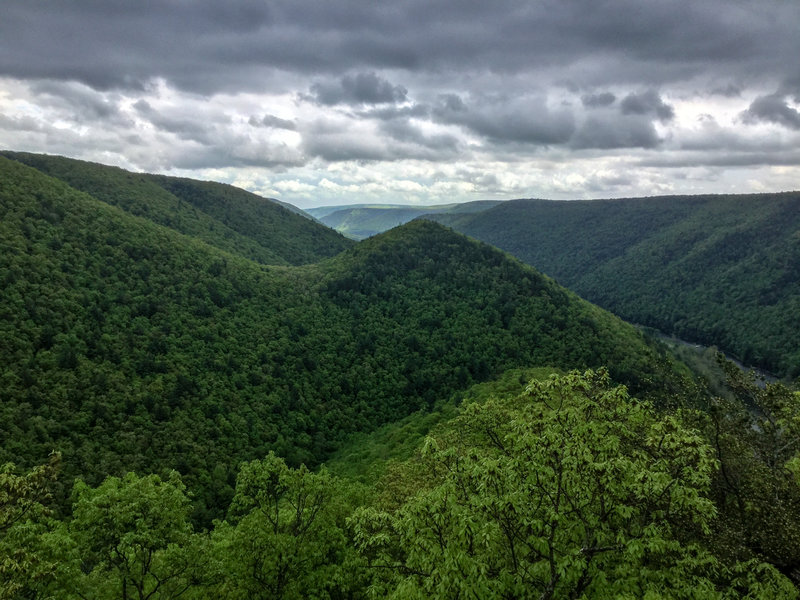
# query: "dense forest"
[[564, 487], [222, 216], [196, 406], [129, 346], [715, 270]]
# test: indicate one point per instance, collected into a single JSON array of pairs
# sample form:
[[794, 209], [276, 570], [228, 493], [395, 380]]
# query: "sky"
[[329, 102]]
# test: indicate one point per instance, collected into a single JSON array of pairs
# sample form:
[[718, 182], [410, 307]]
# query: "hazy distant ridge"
[[360, 221]]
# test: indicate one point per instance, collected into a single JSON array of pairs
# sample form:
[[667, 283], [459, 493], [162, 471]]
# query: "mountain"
[[224, 216], [716, 270], [182, 385], [128, 345], [360, 221]]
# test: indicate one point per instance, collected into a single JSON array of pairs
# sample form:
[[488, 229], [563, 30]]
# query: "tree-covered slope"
[[721, 270], [455, 299], [128, 346], [221, 215], [564, 487], [296, 238]]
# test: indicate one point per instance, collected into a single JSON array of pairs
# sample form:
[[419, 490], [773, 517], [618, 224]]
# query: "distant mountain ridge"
[[360, 221], [716, 269]]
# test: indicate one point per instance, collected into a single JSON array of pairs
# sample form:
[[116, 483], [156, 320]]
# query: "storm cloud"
[[598, 99], [272, 121], [499, 118], [648, 102], [773, 109], [283, 95], [362, 88]]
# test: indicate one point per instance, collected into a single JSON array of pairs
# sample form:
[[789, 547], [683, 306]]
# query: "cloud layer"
[[416, 101]]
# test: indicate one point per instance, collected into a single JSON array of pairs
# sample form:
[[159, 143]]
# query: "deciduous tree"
[[288, 539], [570, 490], [132, 539], [23, 512]]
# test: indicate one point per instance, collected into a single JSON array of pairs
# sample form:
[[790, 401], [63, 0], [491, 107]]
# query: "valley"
[[283, 404]]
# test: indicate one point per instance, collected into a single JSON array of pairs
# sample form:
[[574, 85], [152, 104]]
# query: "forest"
[[205, 394], [567, 487], [130, 346], [719, 270]]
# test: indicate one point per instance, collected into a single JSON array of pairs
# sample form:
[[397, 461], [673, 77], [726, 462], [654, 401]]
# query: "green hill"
[[360, 221], [721, 270], [221, 215], [416, 364], [129, 346]]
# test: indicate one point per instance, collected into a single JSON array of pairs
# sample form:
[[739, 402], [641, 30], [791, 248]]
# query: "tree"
[[756, 437], [23, 519], [571, 490], [132, 539], [288, 539]]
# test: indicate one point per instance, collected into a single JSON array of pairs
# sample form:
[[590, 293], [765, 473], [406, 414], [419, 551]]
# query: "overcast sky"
[[321, 102]]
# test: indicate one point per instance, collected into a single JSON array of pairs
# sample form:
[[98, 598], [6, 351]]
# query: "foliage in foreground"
[[756, 436], [571, 489], [23, 513]]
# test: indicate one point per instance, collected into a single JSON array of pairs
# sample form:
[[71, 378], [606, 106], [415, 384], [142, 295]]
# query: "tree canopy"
[[567, 488], [130, 346], [572, 489], [719, 270]]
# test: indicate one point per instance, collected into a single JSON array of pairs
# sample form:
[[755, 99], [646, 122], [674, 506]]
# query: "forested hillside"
[[221, 215], [721, 270], [564, 487], [168, 400], [129, 346]]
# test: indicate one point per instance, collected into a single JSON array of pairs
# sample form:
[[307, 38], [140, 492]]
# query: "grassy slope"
[[365, 456], [721, 270]]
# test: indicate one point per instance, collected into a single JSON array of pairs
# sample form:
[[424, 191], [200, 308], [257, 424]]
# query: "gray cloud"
[[647, 103], [392, 140], [390, 113], [712, 138], [186, 128], [601, 183], [20, 124], [686, 160], [209, 46], [610, 132], [502, 119], [199, 141], [81, 102], [362, 88], [236, 153], [339, 144], [271, 121], [485, 182], [772, 109], [199, 84], [599, 99], [401, 130], [729, 91]]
